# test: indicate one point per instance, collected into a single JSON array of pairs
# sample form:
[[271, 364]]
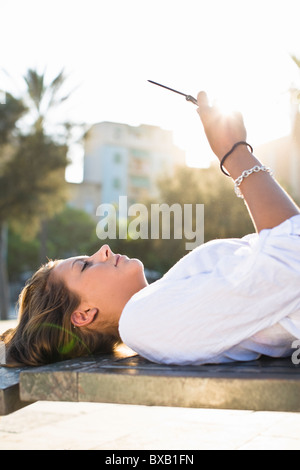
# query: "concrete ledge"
[[9, 391], [263, 385]]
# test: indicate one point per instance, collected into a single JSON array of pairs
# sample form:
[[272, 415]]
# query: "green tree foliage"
[[32, 182], [10, 112], [33, 162], [71, 232], [226, 215], [23, 255], [43, 98]]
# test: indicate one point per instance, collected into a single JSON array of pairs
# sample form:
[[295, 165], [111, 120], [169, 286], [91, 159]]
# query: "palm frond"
[[35, 86], [296, 60]]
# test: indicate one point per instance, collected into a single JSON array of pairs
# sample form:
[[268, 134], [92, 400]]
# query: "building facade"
[[123, 160]]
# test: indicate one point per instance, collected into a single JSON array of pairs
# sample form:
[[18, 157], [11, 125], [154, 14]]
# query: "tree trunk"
[[4, 285]]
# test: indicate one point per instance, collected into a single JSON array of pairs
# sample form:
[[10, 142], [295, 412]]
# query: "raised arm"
[[268, 204]]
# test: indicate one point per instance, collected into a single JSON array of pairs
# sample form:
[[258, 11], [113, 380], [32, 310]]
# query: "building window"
[[117, 158], [139, 153], [117, 132], [140, 181], [116, 183]]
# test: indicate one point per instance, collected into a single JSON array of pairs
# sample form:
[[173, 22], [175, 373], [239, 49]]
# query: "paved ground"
[[83, 426]]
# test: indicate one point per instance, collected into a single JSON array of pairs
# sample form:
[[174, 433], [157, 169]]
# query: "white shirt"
[[226, 300]]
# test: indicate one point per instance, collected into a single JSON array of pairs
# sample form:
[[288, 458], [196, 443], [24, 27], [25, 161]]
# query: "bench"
[[126, 378], [10, 390]]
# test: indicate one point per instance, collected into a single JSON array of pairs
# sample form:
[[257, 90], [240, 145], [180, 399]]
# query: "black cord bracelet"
[[230, 152]]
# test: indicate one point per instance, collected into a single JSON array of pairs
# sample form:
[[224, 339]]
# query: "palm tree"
[[32, 183], [10, 112], [42, 98]]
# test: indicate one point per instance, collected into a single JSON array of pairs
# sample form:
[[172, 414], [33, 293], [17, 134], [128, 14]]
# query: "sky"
[[239, 51]]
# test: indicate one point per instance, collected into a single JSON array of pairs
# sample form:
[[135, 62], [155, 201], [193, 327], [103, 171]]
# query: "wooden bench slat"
[[266, 384]]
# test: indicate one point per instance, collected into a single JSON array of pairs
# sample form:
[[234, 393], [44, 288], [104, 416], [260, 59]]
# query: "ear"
[[83, 317]]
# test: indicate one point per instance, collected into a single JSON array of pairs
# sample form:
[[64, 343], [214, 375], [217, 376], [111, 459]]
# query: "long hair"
[[45, 333]]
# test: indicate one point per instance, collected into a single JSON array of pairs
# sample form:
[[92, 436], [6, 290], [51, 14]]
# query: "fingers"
[[202, 102], [222, 130], [208, 112], [202, 98], [204, 110]]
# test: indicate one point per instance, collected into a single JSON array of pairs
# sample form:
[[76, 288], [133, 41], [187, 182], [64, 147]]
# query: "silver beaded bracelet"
[[246, 173]]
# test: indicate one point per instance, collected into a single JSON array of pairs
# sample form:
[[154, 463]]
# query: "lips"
[[117, 259]]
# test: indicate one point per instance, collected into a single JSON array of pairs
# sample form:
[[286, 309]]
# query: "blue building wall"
[[114, 163]]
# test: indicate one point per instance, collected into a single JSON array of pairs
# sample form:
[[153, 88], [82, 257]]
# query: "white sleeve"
[[195, 319]]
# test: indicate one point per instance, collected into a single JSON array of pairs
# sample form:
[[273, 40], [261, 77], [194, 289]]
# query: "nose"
[[104, 253]]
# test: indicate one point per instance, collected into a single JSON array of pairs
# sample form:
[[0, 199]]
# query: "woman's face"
[[104, 282]]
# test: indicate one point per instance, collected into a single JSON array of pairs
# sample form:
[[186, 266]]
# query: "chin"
[[137, 264], [138, 269]]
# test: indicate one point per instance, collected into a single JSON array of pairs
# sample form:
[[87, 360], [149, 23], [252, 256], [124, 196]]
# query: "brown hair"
[[45, 333]]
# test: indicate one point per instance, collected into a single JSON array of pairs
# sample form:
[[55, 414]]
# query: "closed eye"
[[85, 265]]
